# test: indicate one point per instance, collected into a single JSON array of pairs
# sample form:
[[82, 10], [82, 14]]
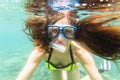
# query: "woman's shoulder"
[[38, 53]]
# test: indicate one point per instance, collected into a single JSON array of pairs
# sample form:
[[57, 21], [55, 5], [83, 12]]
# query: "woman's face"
[[62, 32]]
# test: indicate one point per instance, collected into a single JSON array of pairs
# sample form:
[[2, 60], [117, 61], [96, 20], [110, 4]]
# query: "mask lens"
[[53, 31], [69, 32]]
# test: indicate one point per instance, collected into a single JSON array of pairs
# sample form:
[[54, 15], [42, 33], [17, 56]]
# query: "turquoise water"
[[15, 46]]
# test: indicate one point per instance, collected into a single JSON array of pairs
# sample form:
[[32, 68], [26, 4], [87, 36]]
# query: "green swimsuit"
[[67, 67]]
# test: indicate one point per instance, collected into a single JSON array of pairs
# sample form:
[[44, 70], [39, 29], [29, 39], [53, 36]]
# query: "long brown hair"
[[36, 28], [102, 39]]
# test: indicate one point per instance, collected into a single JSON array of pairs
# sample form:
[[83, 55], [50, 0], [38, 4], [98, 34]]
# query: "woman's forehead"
[[63, 21]]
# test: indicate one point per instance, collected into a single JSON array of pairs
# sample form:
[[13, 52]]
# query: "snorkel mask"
[[68, 31], [55, 31]]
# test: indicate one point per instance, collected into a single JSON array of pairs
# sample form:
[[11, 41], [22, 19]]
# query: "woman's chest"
[[61, 58]]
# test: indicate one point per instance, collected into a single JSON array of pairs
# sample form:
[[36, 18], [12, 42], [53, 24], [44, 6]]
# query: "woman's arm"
[[89, 65], [87, 62], [31, 64]]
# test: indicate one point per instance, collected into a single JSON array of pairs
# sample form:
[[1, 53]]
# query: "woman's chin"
[[59, 47]]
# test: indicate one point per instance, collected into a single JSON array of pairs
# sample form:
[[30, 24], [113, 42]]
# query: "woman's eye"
[[54, 30], [68, 30]]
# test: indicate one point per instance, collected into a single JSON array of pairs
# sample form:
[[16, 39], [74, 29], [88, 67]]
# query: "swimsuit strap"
[[71, 54], [50, 54]]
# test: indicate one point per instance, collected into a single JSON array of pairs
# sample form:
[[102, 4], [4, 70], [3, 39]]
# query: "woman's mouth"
[[58, 46], [60, 43]]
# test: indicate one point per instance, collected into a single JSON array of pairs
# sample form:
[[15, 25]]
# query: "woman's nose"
[[60, 37]]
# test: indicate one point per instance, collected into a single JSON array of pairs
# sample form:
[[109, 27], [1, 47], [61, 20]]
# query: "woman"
[[61, 33], [59, 29]]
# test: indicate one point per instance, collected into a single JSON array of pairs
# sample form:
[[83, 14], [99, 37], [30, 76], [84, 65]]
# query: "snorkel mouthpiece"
[[58, 47]]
